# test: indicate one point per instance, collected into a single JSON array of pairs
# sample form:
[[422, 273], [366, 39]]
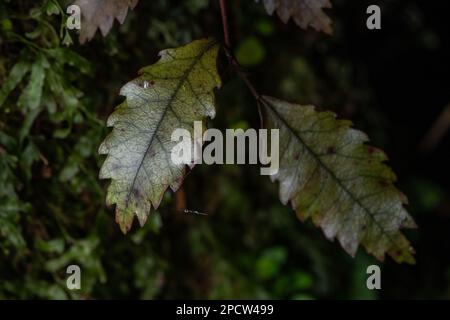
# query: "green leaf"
[[10, 206], [6, 25], [28, 121], [100, 14], [67, 39], [250, 52], [62, 133], [31, 95], [305, 13], [329, 175], [173, 93], [270, 263], [52, 246], [51, 8], [18, 71], [29, 155], [66, 56]]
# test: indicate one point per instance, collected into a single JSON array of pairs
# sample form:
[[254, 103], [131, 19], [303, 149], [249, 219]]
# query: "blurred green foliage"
[[55, 96]]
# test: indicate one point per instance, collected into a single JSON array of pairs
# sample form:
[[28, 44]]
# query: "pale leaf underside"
[[171, 94], [329, 175], [100, 14], [305, 13]]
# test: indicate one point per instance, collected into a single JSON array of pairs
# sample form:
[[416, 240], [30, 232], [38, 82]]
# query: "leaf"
[[101, 14], [305, 13], [250, 52], [173, 93], [11, 207], [65, 56], [329, 175], [31, 95], [18, 71]]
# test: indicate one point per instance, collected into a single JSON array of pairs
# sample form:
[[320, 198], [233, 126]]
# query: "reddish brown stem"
[[233, 62], [226, 30], [228, 51]]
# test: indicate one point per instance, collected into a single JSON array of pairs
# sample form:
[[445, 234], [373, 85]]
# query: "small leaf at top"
[[101, 14], [171, 94], [305, 13], [328, 174]]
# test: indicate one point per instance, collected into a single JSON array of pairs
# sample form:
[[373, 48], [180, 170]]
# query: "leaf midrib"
[[330, 172], [163, 114]]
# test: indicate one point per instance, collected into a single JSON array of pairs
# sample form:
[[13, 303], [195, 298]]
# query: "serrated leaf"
[[100, 14], [172, 93], [328, 174], [305, 13]]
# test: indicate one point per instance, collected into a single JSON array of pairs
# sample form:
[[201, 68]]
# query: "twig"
[[228, 51], [226, 31], [235, 64]]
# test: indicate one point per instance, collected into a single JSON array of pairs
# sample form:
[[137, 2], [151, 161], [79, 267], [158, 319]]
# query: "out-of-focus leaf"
[[28, 123], [171, 94], [67, 39], [6, 25], [18, 71], [195, 6], [83, 252], [265, 27], [62, 133], [302, 296], [51, 8], [10, 207], [302, 280], [270, 263], [426, 195], [31, 95], [148, 276], [329, 175], [67, 56], [29, 155], [69, 171], [305, 13], [358, 280], [52, 246], [250, 52], [101, 14], [7, 141]]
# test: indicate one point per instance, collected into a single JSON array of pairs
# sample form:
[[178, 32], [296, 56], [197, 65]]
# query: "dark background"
[[392, 83]]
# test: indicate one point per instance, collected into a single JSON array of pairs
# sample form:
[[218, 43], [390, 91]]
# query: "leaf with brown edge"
[[170, 94], [328, 174], [305, 13], [100, 14]]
